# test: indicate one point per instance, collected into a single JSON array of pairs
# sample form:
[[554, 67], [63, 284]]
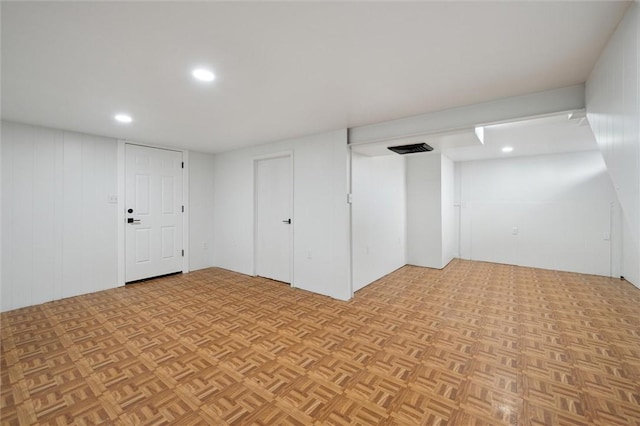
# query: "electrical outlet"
[[309, 254], [514, 231], [112, 199]]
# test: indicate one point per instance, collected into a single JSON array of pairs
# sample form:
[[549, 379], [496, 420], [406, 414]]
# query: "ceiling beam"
[[467, 117]]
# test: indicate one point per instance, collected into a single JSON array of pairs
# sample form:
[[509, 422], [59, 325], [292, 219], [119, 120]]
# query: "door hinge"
[[182, 209], [183, 164], [182, 253]]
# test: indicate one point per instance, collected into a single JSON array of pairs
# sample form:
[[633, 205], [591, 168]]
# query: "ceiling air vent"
[[411, 149]]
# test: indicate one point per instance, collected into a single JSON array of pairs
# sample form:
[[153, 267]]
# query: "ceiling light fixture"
[[123, 118], [507, 149], [203, 75]]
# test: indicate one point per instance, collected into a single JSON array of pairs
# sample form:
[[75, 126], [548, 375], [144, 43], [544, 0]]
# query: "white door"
[[153, 204], [273, 218]]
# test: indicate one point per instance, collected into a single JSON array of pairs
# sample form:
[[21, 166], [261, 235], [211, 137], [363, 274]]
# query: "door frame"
[[256, 159], [122, 253]]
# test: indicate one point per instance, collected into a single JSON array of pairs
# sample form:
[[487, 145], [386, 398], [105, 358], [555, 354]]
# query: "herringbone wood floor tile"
[[473, 344]]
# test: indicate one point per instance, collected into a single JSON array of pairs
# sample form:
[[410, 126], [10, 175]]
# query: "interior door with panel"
[[153, 193], [274, 195]]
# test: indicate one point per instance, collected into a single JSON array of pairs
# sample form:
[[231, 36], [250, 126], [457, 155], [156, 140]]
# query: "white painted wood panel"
[[6, 151], [613, 111], [201, 210], [22, 215], [72, 250], [58, 212], [105, 254], [44, 231], [59, 230]]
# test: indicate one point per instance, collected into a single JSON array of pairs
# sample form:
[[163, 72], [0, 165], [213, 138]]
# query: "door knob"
[[132, 220], [287, 221]]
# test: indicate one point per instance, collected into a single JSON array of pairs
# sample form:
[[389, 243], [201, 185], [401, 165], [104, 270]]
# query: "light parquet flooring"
[[473, 344]]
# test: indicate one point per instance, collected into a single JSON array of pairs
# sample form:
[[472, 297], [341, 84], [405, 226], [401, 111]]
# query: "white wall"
[[378, 217], [432, 238], [424, 212], [449, 213], [201, 210], [613, 111], [320, 218], [560, 204], [59, 232]]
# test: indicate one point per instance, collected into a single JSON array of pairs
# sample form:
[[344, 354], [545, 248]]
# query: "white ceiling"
[[283, 69]]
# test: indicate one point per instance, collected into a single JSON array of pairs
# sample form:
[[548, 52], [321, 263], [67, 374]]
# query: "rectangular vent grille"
[[411, 149]]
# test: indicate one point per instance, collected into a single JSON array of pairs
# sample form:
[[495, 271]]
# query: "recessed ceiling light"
[[507, 149], [203, 74], [123, 118]]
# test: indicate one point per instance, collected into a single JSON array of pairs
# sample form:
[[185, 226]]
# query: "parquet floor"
[[473, 344]]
